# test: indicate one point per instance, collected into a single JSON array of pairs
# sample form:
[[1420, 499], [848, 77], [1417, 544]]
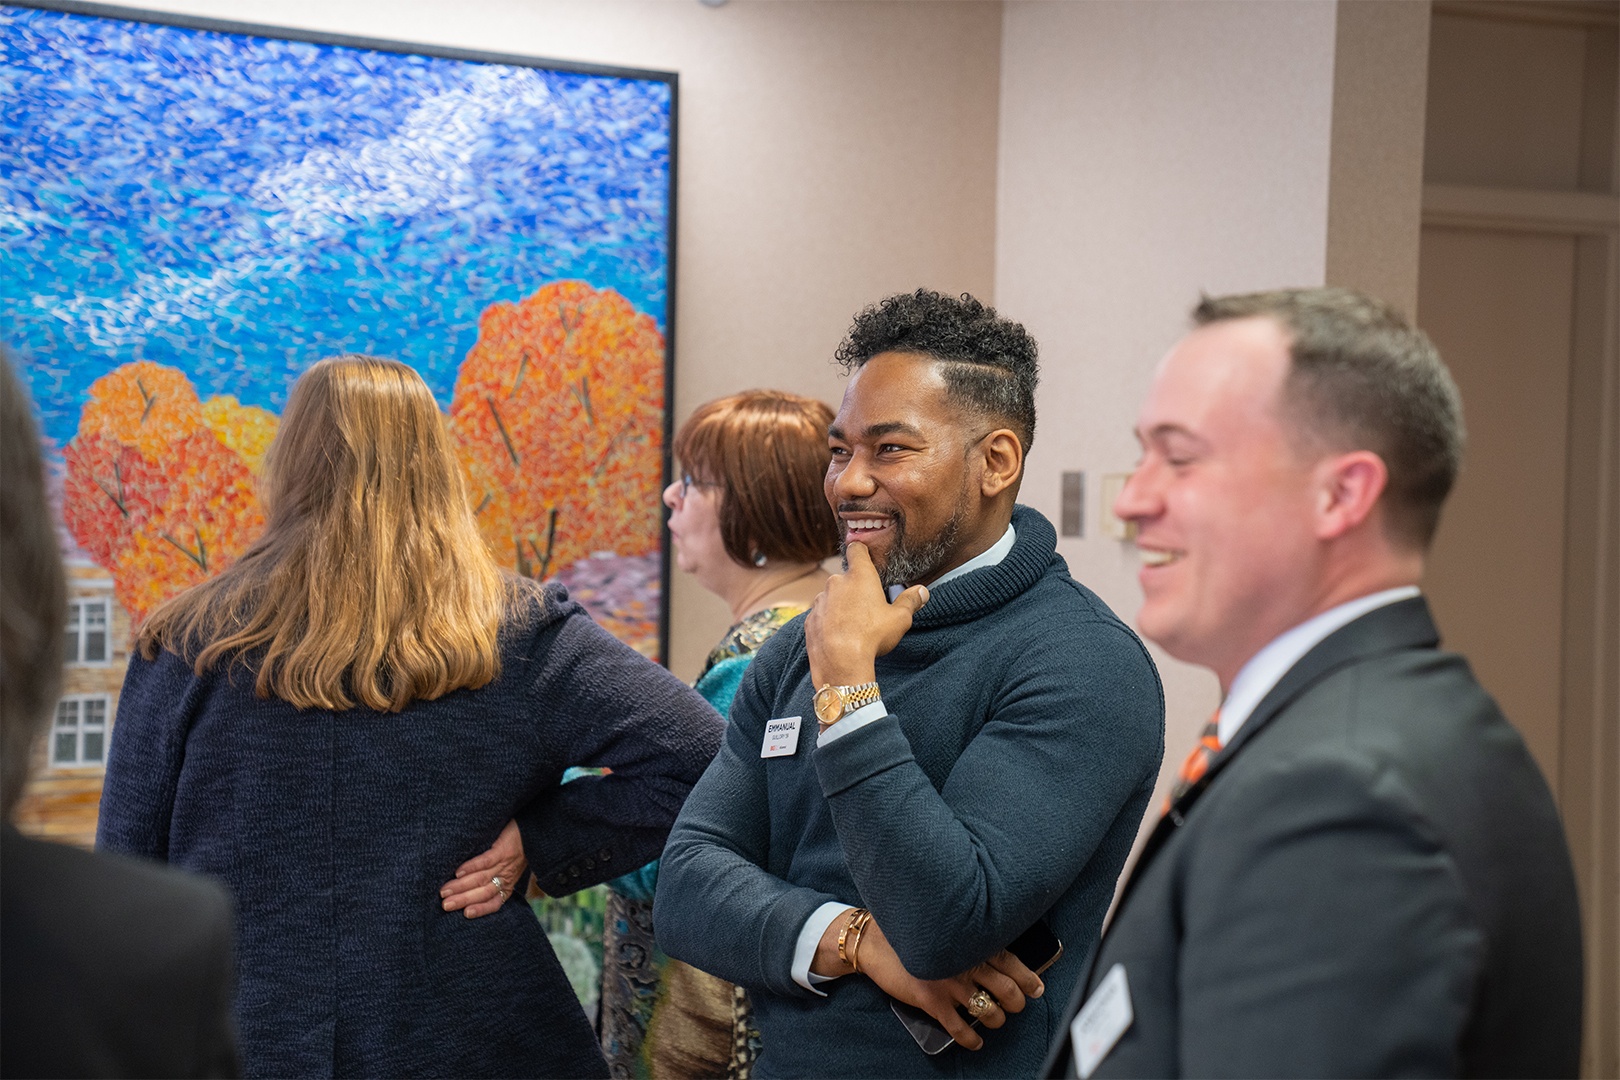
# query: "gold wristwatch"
[[833, 703]]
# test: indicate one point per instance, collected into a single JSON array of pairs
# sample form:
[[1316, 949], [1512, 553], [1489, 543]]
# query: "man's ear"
[[1348, 486], [1003, 462]]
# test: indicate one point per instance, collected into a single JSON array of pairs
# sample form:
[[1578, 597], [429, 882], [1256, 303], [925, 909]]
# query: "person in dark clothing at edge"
[[989, 735], [108, 966]]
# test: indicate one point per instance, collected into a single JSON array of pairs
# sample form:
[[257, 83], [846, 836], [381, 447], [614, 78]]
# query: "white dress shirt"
[[804, 950], [1266, 668]]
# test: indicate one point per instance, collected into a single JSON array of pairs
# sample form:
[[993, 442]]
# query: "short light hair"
[[767, 452], [33, 592], [1362, 378]]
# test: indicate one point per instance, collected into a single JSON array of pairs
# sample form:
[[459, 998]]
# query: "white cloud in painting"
[[155, 299], [423, 164], [20, 222]]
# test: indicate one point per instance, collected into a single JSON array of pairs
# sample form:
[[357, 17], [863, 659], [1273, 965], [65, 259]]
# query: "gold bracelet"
[[855, 916], [855, 946]]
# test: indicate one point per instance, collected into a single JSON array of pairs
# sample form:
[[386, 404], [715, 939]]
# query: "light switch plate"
[[1112, 485], [1072, 512]]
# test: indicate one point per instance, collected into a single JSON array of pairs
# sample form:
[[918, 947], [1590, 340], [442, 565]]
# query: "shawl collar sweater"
[[1006, 785]]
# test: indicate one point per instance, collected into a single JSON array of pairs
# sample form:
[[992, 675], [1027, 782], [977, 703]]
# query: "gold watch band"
[[833, 703]]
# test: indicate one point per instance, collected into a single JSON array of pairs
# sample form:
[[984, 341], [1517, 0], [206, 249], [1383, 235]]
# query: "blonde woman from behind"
[[333, 722]]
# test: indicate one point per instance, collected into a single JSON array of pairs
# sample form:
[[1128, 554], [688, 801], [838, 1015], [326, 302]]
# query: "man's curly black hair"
[[988, 363]]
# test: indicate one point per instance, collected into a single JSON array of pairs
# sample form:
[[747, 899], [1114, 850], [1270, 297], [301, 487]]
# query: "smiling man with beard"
[[955, 744]]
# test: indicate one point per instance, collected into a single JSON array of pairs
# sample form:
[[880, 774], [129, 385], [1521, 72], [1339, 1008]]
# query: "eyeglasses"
[[687, 484]]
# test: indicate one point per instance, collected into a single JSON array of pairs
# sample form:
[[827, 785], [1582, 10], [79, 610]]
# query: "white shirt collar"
[[1266, 668], [989, 557]]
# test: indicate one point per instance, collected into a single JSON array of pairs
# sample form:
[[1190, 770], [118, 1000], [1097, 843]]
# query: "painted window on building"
[[79, 737], [87, 624]]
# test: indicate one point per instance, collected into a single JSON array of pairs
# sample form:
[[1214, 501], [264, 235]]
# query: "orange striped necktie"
[[1197, 762]]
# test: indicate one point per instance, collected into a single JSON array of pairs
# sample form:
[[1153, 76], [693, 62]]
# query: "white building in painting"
[[63, 798]]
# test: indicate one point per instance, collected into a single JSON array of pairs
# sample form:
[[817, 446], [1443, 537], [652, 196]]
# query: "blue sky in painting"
[[239, 207]]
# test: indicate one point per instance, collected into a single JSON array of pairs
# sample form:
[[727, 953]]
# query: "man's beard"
[[906, 563]]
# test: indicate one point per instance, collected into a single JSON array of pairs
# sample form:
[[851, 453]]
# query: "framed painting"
[[192, 212]]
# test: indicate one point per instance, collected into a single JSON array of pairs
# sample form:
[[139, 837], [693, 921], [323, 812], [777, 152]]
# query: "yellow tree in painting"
[[558, 413], [247, 429]]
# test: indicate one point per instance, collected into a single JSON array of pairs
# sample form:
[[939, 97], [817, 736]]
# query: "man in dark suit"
[[1361, 871], [108, 966]]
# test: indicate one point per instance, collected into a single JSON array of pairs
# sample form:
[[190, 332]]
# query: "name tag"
[[1101, 1022], [781, 737]]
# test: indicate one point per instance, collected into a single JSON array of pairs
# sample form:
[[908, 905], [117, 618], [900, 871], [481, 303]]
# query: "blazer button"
[[590, 863], [573, 871], [603, 854]]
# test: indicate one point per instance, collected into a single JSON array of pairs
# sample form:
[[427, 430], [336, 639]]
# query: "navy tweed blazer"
[[335, 830]]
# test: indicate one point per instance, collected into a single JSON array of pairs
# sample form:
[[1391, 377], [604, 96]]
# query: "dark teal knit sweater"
[[1006, 786]]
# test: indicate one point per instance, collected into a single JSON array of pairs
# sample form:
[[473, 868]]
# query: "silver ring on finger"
[[980, 1003]]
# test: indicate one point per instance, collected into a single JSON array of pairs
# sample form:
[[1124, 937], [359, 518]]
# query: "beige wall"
[[1375, 188], [1149, 151], [1521, 253], [1499, 306], [830, 153]]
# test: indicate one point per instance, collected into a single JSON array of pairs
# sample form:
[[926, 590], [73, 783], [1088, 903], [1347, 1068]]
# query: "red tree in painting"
[[558, 412], [151, 492], [106, 494]]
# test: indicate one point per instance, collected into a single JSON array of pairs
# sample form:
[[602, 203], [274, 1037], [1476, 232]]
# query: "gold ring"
[[980, 1003]]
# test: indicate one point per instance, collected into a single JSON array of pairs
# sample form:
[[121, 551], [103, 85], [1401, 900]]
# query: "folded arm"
[[619, 711], [717, 906], [1066, 748]]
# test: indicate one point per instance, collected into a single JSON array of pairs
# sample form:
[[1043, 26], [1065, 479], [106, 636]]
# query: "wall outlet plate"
[[1072, 506]]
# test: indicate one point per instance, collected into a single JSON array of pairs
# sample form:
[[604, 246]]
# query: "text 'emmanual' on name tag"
[[781, 737], [1101, 1021]]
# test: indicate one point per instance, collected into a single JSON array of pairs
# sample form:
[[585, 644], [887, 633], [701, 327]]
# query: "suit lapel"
[[1402, 625], [1405, 624]]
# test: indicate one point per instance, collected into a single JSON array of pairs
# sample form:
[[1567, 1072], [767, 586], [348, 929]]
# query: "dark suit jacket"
[[1370, 880], [111, 966]]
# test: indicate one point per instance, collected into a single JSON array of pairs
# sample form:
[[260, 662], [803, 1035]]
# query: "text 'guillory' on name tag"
[[1101, 1022], [781, 737]]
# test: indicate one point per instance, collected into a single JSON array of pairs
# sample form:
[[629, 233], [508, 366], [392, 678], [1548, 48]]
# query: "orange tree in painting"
[[558, 410], [151, 492]]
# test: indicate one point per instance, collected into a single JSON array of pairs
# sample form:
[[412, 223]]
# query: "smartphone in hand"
[[1038, 948]]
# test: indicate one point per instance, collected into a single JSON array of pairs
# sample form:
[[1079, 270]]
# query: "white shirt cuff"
[[804, 952], [857, 719]]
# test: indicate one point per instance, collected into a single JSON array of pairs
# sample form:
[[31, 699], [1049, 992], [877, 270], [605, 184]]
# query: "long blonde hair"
[[371, 583]]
